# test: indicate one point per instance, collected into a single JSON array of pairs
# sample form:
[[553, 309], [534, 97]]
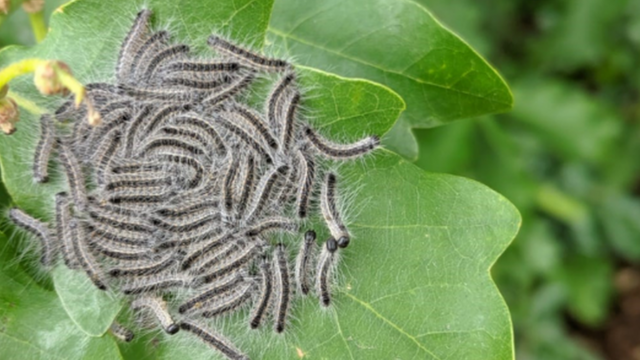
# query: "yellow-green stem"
[[29, 65], [70, 83], [38, 25], [16, 69]]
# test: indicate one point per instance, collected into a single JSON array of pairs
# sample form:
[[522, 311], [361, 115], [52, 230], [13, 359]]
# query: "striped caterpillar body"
[[39, 229], [261, 308], [121, 332], [43, 149], [213, 339], [326, 263], [159, 309], [282, 288], [304, 262]]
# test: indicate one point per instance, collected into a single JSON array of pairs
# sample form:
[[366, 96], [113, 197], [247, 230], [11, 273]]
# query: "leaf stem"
[[19, 68], [62, 75], [29, 65], [38, 25], [70, 83]]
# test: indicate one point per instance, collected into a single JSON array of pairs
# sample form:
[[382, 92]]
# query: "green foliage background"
[[565, 156]]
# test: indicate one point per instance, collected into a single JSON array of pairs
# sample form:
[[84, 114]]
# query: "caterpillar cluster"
[[186, 183]]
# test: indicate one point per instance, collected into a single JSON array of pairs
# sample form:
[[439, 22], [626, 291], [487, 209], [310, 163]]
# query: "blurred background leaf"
[[566, 156]]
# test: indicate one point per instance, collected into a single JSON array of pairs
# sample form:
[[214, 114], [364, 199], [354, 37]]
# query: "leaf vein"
[[377, 67], [396, 327], [346, 344]]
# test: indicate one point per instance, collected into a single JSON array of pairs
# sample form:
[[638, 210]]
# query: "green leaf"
[[464, 17], [91, 309], [372, 109], [414, 283], [34, 325], [396, 43]]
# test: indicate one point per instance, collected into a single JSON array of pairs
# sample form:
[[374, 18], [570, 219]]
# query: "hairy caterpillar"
[[43, 149], [121, 332], [304, 261], [282, 290], [266, 290], [193, 183], [159, 308], [37, 228]]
